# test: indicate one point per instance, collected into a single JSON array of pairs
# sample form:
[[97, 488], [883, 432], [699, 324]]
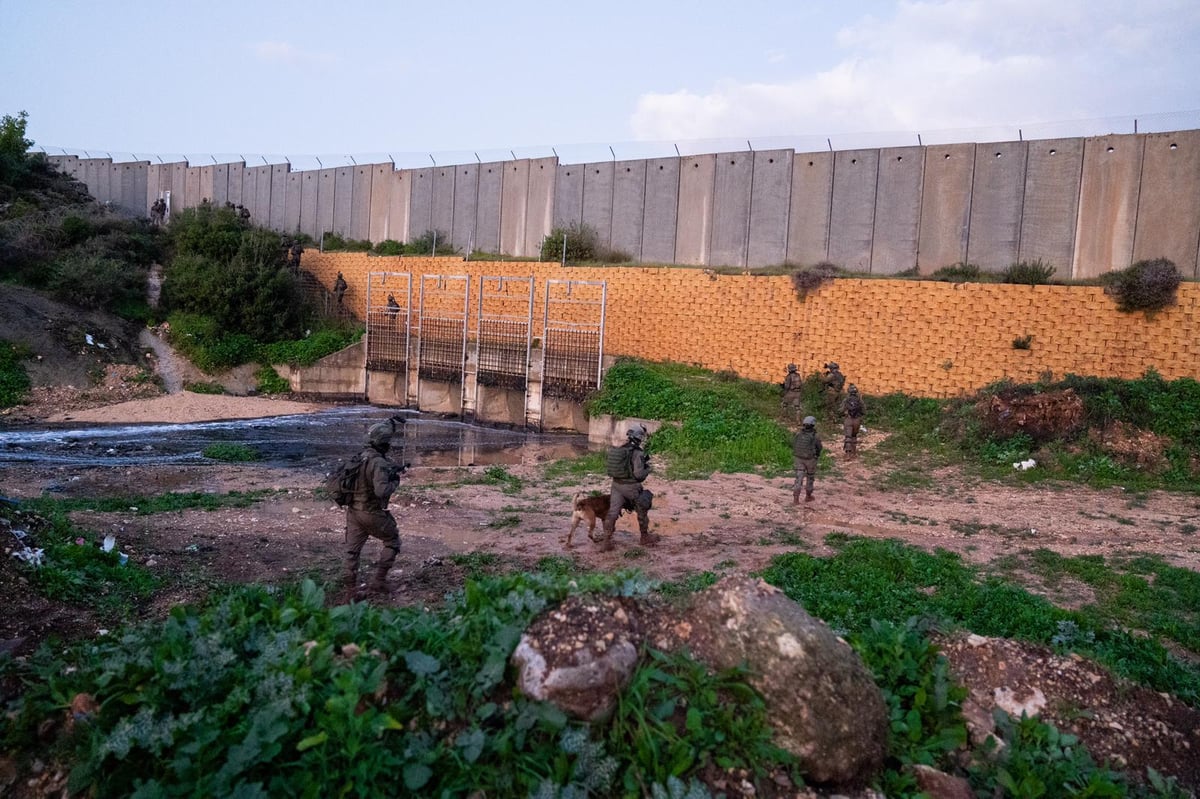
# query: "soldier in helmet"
[[628, 465], [367, 515], [339, 288], [853, 412], [831, 385], [792, 383], [806, 450]]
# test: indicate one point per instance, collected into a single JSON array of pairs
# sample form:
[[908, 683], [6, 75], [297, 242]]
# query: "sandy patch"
[[186, 406]]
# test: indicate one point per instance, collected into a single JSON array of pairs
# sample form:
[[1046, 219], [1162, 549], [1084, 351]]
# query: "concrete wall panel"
[[250, 189], [220, 189], [443, 201], [539, 215], [1052, 173], [1168, 215], [293, 201], [137, 198], [694, 226], [731, 208], [598, 199], [1108, 199], [310, 180], [514, 205], [176, 181], [662, 210], [237, 179], [770, 201], [629, 200], [207, 182], [191, 187], [997, 198], [945, 205], [398, 206], [487, 220], [360, 202], [897, 210], [263, 189], [104, 180], [89, 174], [808, 220], [381, 191], [466, 196], [343, 200], [153, 180], [852, 213], [326, 197], [277, 214], [114, 185], [420, 214], [568, 195]]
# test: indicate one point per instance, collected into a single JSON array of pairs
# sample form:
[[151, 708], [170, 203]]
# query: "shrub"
[[1024, 342], [1030, 273], [1145, 286], [14, 380], [212, 232], [961, 272], [811, 279], [389, 247], [14, 161], [269, 381], [97, 281], [231, 453], [335, 242], [582, 246]]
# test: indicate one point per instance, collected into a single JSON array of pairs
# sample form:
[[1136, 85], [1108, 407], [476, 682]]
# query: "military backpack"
[[619, 462], [341, 483]]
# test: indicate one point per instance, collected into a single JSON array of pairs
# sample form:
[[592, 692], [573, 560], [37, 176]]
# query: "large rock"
[[579, 656], [821, 700]]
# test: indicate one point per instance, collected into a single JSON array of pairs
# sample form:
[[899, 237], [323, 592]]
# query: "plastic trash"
[[110, 541], [34, 557], [1025, 465]]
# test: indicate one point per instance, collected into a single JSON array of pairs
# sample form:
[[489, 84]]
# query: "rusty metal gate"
[[442, 327], [573, 345], [505, 331], [389, 309]]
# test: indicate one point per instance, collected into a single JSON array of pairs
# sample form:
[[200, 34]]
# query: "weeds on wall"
[[431, 243], [1029, 273], [809, 279], [961, 272], [578, 244], [1024, 342], [1145, 286]]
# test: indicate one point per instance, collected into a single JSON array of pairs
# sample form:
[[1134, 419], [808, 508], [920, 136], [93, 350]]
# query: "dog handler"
[[628, 465], [367, 515]]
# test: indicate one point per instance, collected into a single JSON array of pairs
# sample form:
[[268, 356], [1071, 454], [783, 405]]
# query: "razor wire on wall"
[[505, 331], [389, 309], [573, 343], [442, 327]]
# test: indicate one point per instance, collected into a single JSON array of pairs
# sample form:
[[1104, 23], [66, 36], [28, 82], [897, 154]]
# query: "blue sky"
[[451, 80]]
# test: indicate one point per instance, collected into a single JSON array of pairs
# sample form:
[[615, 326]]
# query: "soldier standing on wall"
[[791, 391], [806, 450], [853, 412], [339, 288], [628, 465]]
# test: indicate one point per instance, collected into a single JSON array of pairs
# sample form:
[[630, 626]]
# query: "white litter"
[[110, 541], [1025, 465], [34, 557]]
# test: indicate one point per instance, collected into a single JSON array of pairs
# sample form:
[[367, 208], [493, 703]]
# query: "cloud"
[[970, 63], [287, 53]]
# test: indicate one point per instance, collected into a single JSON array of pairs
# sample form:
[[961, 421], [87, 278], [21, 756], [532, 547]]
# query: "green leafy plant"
[[1030, 273], [1149, 285], [232, 453], [961, 272], [204, 387], [270, 382], [582, 245]]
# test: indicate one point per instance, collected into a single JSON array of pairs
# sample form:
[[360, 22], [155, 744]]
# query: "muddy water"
[[307, 440]]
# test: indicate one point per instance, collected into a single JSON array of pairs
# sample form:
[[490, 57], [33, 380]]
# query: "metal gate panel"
[[505, 331], [573, 345], [442, 327], [389, 310]]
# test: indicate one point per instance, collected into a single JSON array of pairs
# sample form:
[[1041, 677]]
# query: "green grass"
[[231, 453], [145, 505], [14, 380], [570, 471]]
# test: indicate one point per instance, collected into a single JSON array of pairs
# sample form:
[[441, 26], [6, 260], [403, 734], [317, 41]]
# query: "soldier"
[[393, 307], [367, 514], [806, 449], [791, 390], [243, 213], [339, 289], [628, 465], [158, 212], [831, 384], [853, 412], [293, 257]]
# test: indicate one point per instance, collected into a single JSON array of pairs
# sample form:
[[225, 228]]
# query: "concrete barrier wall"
[[732, 178], [920, 337], [1052, 174], [1168, 213], [997, 198], [1086, 206], [852, 213], [897, 210], [1108, 199]]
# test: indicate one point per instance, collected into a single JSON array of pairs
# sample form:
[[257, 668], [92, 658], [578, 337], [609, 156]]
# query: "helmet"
[[810, 421], [382, 432], [832, 365], [791, 367], [637, 433], [853, 389]]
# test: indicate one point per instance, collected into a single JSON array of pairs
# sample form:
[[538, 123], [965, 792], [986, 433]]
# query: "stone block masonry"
[[918, 337]]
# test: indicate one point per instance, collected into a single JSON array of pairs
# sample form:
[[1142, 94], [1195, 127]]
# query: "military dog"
[[586, 508]]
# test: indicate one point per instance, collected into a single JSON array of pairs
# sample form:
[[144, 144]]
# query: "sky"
[[451, 82]]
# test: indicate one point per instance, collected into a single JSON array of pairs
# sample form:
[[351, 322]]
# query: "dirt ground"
[[725, 524]]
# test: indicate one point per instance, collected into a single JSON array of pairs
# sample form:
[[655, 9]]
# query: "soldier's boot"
[[796, 497], [808, 497], [606, 541], [378, 583], [349, 585], [853, 450], [648, 539]]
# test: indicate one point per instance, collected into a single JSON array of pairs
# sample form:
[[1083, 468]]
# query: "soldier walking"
[[806, 450], [831, 385], [853, 412], [628, 465], [367, 515], [792, 384]]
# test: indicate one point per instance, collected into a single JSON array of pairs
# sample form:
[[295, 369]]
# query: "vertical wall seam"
[[966, 250], [874, 213], [1137, 204], [1021, 213], [749, 211]]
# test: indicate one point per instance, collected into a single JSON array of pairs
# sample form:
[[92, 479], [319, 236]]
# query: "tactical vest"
[[805, 444], [619, 462]]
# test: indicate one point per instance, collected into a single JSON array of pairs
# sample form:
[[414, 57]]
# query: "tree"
[[14, 149]]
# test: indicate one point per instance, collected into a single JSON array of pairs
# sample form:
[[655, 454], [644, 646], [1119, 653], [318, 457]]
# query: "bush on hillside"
[[582, 244], [1029, 273], [97, 281], [1145, 286], [14, 161]]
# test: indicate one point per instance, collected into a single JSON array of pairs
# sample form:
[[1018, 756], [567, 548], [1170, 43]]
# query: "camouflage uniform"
[[627, 493], [806, 450], [792, 384], [853, 412], [832, 384], [339, 287], [367, 515]]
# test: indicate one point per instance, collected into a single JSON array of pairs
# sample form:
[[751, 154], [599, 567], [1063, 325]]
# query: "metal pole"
[[434, 243], [564, 250], [603, 308]]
